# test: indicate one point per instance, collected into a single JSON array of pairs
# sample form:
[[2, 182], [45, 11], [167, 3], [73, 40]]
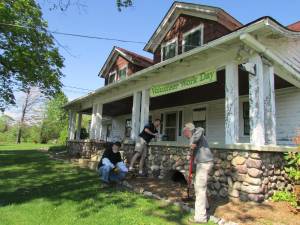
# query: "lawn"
[[37, 190]]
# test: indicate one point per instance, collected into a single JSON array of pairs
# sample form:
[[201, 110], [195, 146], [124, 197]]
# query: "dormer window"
[[112, 77], [123, 73], [192, 38], [169, 49]]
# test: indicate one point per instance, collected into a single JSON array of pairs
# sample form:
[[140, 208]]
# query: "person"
[[111, 167], [141, 147], [203, 160]]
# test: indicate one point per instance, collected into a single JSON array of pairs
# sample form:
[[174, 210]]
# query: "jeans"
[[200, 191], [107, 175]]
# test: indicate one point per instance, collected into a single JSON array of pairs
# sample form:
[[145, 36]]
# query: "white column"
[[99, 121], [78, 130], [256, 103], [231, 103], [93, 122], [144, 109], [72, 125], [269, 104], [135, 117]]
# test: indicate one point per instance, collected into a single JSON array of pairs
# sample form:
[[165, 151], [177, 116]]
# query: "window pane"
[[127, 127], [180, 123], [171, 120], [111, 78], [192, 40], [122, 74], [171, 134], [169, 51], [246, 118]]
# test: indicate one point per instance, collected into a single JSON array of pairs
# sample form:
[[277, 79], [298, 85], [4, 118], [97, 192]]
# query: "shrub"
[[285, 196]]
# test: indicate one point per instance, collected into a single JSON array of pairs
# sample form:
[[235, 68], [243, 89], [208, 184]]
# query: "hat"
[[117, 143]]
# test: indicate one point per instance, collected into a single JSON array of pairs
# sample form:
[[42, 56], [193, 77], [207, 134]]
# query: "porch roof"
[[259, 27]]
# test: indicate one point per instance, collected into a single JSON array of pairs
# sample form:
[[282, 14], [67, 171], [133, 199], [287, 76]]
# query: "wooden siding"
[[184, 23]]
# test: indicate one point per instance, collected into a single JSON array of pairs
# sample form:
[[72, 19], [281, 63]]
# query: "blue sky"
[[101, 18]]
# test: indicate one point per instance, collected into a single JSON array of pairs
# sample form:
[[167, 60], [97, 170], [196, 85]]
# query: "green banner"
[[194, 81]]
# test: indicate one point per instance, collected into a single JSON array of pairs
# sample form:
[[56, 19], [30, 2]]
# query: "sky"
[[85, 57]]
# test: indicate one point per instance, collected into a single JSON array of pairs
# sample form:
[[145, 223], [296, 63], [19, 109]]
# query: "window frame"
[[110, 74], [163, 45], [193, 30], [126, 73], [243, 116]]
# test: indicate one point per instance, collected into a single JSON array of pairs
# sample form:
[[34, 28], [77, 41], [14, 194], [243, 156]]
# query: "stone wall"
[[237, 174]]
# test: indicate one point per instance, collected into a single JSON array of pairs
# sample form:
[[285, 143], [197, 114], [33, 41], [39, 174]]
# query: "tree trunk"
[[24, 110]]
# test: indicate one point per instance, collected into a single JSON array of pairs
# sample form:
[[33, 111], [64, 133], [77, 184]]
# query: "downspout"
[[260, 48]]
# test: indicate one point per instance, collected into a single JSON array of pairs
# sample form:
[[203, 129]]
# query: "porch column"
[[145, 108], [135, 117], [78, 130], [256, 103], [231, 103], [93, 122], [98, 132], [72, 125], [269, 100]]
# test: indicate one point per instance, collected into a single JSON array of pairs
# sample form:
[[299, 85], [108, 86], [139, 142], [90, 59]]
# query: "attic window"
[[193, 38], [169, 49], [123, 73], [112, 77]]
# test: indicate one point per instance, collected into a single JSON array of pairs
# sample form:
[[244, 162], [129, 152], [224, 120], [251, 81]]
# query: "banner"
[[186, 83]]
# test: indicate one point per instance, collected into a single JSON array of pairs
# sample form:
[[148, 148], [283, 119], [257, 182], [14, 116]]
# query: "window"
[[127, 128], [123, 73], [170, 126], [180, 123], [161, 123], [112, 77], [199, 117], [246, 118], [192, 38], [169, 49], [108, 131]]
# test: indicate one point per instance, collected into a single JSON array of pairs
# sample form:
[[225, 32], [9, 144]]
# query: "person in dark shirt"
[[111, 167], [141, 146]]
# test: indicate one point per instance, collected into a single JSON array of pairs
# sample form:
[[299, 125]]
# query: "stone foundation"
[[244, 175]]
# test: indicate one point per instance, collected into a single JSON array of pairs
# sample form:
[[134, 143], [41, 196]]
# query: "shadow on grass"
[[26, 175]]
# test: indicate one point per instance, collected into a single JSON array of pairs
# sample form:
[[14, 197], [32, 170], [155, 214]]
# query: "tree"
[[28, 55], [5, 122], [55, 120], [30, 112]]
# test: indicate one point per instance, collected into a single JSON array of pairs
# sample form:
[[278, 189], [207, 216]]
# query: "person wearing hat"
[[203, 160], [111, 167]]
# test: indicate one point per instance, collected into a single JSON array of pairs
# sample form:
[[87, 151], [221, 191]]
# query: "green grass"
[[37, 190]]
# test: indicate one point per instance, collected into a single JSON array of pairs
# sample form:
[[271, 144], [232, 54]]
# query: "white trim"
[[193, 30], [163, 45], [122, 68]]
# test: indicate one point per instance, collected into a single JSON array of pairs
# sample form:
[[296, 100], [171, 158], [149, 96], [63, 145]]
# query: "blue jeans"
[[107, 175]]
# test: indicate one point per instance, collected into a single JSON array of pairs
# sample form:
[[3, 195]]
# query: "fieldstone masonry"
[[237, 174]]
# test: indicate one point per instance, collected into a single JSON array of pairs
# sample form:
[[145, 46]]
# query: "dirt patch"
[[267, 213]]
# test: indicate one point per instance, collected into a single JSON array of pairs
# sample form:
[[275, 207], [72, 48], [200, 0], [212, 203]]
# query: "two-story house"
[[240, 82]]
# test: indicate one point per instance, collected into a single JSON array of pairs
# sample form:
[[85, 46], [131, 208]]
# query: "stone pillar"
[[269, 104], [256, 103], [78, 130], [145, 108], [135, 117], [72, 125], [231, 104]]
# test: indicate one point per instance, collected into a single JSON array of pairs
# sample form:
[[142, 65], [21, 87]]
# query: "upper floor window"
[[169, 49], [112, 77], [123, 73], [192, 38]]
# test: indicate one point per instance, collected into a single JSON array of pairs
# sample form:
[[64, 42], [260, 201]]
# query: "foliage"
[[285, 196], [35, 189], [124, 4], [293, 165], [55, 123], [28, 55], [5, 123]]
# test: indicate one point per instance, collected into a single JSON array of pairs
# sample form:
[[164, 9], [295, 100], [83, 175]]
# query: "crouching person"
[[111, 167]]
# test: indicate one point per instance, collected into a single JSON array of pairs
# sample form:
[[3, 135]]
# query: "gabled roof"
[[132, 57], [295, 26], [183, 8]]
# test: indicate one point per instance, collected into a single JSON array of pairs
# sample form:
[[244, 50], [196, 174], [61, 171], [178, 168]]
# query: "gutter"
[[260, 48]]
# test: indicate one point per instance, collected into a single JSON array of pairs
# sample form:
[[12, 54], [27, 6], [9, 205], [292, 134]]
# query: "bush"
[[285, 196], [293, 165]]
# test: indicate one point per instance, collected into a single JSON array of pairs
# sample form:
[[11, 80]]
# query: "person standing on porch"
[[141, 147], [203, 158]]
